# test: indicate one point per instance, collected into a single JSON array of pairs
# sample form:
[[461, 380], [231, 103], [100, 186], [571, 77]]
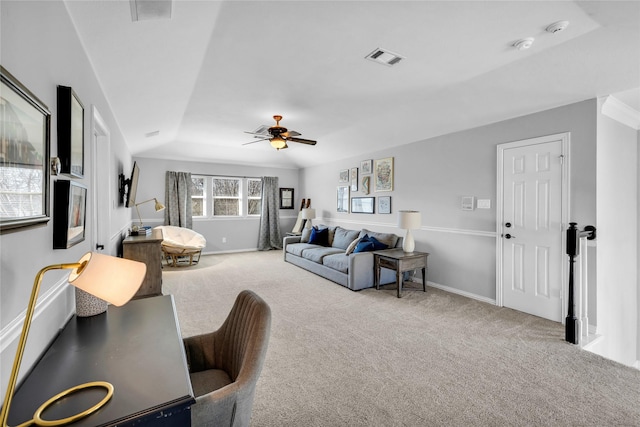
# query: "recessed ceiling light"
[[557, 26], [384, 57], [524, 44], [151, 134]]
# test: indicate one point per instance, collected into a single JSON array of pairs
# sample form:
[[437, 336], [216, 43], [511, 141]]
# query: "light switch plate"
[[484, 203]]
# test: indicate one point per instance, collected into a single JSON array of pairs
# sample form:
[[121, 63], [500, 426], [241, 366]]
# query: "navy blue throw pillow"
[[319, 236], [368, 243]]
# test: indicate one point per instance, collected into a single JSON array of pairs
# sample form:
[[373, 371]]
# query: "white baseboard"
[[456, 291]]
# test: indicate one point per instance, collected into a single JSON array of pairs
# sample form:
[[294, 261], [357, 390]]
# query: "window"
[[220, 196]]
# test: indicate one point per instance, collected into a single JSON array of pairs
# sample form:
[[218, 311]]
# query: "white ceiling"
[[216, 69]]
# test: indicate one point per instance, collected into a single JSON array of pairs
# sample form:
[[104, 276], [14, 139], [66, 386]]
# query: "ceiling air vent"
[[385, 57]]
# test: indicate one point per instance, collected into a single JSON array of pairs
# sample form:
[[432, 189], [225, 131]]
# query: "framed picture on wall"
[[286, 198], [383, 174], [366, 167], [69, 213], [343, 176], [343, 199], [354, 179], [70, 132], [24, 155], [363, 205], [384, 204]]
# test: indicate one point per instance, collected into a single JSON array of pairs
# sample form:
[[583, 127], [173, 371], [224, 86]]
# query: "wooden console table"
[[136, 347], [400, 261], [147, 249]]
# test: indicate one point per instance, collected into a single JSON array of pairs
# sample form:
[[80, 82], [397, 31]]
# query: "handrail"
[[572, 324]]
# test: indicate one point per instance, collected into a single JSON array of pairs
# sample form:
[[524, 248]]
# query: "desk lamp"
[[112, 279], [409, 220], [159, 207]]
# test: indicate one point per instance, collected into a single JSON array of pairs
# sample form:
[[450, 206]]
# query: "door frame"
[[565, 189], [101, 180]]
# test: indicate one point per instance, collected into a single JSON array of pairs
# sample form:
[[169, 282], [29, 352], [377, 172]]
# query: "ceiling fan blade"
[[290, 134], [257, 140], [303, 141], [257, 135]]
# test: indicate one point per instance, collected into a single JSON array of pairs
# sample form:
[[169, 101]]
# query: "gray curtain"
[[178, 199], [269, 236]]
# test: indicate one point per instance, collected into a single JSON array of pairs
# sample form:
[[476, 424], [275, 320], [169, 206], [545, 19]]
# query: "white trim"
[[617, 110], [100, 136], [565, 139], [456, 291], [362, 224]]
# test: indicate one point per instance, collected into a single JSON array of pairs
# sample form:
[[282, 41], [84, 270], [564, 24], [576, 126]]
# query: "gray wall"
[[39, 46], [432, 175], [241, 233]]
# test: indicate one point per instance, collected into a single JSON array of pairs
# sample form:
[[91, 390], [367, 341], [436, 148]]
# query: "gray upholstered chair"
[[224, 365]]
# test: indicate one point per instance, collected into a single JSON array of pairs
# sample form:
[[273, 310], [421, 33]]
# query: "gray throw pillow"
[[343, 238], [306, 233]]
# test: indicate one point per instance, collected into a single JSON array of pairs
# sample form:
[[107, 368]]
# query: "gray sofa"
[[352, 270]]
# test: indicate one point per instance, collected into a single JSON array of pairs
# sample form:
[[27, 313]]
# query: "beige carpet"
[[343, 358]]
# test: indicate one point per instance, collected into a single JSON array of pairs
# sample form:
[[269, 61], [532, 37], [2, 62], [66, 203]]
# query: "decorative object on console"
[[384, 204], [23, 155], [308, 214], [70, 132], [366, 167], [69, 213], [112, 279], [383, 174], [158, 207], [409, 220]]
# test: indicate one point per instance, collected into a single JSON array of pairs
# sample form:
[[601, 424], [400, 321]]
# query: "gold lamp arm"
[[8, 397]]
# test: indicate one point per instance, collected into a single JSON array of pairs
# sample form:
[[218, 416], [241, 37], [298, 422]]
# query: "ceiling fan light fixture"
[[277, 142]]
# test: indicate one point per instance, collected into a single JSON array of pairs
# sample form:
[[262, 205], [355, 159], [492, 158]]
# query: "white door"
[[531, 227], [101, 183]]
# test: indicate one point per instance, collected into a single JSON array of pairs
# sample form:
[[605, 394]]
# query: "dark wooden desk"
[[136, 347], [400, 261]]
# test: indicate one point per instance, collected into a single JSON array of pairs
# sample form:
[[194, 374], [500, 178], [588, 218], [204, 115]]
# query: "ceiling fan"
[[278, 136]]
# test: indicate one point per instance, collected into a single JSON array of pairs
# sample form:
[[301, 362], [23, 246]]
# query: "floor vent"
[[384, 57]]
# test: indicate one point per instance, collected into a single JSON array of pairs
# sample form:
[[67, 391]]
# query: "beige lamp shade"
[[409, 220], [115, 280], [308, 213]]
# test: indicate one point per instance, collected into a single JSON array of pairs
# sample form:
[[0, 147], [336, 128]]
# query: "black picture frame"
[[384, 204], [69, 214], [286, 198], [363, 205], [70, 132], [24, 155]]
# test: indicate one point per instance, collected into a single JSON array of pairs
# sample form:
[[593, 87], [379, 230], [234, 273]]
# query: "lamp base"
[[408, 245], [87, 305]]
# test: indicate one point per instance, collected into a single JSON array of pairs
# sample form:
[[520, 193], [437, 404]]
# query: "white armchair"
[[180, 244]]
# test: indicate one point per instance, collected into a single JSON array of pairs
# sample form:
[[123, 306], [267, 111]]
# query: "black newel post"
[[573, 247]]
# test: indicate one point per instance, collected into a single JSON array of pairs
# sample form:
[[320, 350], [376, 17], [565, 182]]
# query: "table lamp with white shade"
[[115, 280], [409, 220], [308, 214]]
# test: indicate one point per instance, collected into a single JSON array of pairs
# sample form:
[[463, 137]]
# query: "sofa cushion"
[[343, 237], [304, 237], [339, 262], [317, 253], [298, 248], [388, 239], [364, 246], [319, 236]]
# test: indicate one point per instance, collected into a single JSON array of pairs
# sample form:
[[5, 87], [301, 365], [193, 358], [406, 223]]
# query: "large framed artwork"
[[343, 198], [69, 213], [286, 198], [363, 205], [70, 132], [383, 174], [25, 124]]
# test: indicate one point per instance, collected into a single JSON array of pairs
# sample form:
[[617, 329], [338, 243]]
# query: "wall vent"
[[384, 57]]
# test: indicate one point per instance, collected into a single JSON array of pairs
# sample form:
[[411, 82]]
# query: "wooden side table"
[[400, 261], [147, 249]]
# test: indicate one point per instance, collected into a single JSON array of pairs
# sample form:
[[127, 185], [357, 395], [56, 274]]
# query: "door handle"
[[99, 247], [509, 236], [508, 225]]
